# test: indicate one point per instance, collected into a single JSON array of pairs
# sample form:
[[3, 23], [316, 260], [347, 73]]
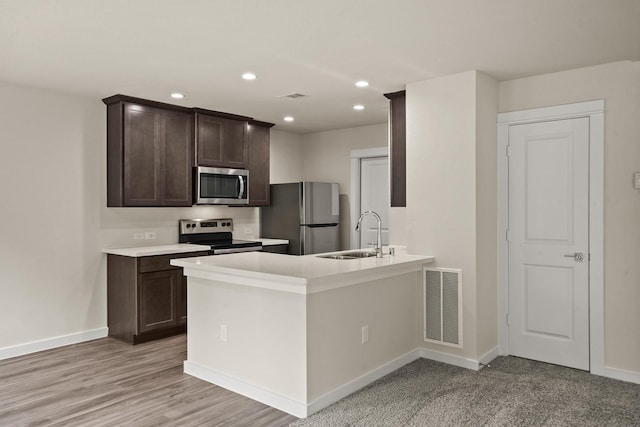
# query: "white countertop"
[[269, 242], [298, 274], [141, 251]]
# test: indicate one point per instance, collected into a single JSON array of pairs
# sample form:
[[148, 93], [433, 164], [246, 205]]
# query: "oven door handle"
[[236, 250]]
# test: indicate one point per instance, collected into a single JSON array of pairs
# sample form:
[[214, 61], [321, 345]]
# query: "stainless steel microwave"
[[221, 186]]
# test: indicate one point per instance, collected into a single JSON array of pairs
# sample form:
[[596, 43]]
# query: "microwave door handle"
[[241, 178]]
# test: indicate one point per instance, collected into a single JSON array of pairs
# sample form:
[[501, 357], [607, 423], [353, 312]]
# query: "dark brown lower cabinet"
[[276, 249], [146, 297], [158, 299]]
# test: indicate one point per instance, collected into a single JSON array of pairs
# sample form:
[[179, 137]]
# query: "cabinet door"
[[157, 303], [221, 142], [276, 249], [177, 159], [158, 156], [258, 165], [235, 147], [142, 154], [210, 134]]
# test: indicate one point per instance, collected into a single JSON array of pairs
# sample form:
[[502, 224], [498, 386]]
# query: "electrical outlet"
[[636, 180], [223, 333], [138, 236], [248, 230], [365, 334], [151, 235]]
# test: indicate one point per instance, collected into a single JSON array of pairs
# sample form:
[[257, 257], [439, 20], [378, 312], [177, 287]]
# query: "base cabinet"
[[146, 297], [158, 302], [276, 249]]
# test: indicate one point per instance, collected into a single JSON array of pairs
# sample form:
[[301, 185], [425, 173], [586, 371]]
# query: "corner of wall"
[[486, 214]]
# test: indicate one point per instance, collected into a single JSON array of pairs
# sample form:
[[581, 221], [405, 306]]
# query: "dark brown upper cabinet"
[[152, 148], [221, 139], [258, 162], [398, 148], [149, 153]]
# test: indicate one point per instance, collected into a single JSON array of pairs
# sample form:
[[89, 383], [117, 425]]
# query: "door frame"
[[354, 202], [594, 110]]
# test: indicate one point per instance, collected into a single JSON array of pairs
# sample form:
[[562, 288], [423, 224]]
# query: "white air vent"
[[294, 96], [443, 306]]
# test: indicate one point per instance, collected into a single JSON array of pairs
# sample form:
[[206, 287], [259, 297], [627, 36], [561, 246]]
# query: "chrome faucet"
[[378, 246]]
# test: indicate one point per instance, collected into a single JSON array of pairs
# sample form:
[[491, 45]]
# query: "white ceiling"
[[150, 48]]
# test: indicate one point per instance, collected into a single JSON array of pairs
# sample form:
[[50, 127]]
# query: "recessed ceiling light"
[[249, 76], [177, 95], [288, 119], [362, 83], [358, 107]]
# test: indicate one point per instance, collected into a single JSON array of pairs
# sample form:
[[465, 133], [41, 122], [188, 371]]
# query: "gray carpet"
[[510, 392]]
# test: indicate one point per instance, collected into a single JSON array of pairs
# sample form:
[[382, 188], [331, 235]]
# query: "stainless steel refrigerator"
[[305, 213]]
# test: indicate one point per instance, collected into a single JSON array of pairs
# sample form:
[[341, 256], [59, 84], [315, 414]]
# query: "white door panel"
[[548, 220], [374, 196]]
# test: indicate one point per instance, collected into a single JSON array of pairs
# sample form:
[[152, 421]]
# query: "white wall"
[[327, 157], [286, 157], [335, 353], [54, 220], [619, 85]]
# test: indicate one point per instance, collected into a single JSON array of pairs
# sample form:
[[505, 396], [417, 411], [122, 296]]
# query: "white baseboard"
[[451, 359], [360, 382], [275, 400], [290, 406], [619, 374], [49, 343], [489, 356]]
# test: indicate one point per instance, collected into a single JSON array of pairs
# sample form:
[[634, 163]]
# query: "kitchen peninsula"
[[301, 332]]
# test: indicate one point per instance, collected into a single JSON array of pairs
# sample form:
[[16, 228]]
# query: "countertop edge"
[[298, 285], [142, 251]]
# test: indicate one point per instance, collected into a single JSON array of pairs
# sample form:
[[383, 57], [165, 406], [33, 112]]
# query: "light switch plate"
[[636, 180]]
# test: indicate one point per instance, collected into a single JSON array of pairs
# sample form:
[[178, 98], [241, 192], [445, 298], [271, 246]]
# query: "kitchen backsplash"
[[127, 227]]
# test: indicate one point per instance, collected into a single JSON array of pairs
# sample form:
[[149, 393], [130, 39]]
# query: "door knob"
[[577, 256]]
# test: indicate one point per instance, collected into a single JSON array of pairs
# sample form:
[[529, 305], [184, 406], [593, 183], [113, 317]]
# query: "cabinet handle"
[[241, 178]]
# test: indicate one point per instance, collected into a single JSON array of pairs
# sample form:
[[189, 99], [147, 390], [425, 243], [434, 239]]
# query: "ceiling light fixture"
[[177, 95], [358, 107], [249, 76], [288, 119], [362, 83]]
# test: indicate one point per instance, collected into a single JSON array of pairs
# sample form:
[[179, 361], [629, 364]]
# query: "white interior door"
[[548, 240], [374, 196]]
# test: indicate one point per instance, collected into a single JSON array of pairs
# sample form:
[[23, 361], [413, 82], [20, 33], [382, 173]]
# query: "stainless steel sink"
[[349, 255]]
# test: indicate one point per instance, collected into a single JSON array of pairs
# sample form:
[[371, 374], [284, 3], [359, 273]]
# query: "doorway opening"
[[369, 191], [534, 128]]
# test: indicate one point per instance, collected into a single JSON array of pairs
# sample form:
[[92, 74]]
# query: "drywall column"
[[451, 193], [486, 216]]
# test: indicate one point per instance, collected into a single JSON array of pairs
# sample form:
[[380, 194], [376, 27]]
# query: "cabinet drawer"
[[162, 262]]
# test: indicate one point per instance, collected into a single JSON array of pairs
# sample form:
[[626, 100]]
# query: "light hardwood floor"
[[109, 383]]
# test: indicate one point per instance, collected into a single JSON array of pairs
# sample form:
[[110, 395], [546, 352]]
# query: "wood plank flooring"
[[109, 383]]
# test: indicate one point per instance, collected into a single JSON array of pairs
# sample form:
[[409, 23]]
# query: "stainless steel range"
[[217, 233]]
